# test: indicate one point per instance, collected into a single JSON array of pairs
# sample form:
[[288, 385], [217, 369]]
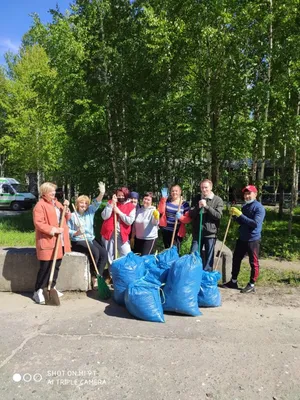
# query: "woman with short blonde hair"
[[46, 187], [46, 218], [82, 198], [81, 227]]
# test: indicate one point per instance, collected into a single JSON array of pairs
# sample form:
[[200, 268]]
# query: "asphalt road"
[[4, 213], [86, 349]]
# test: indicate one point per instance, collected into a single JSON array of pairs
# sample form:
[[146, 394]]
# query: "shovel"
[[50, 294], [103, 289]]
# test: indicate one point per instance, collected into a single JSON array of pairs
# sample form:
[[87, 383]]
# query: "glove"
[[164, 192], [202, 203], [132, 243], [235, 211], [178, 215], [101, 186], [156, 214]]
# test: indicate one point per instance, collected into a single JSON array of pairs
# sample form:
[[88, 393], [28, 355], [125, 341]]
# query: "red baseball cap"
[[250, 188]]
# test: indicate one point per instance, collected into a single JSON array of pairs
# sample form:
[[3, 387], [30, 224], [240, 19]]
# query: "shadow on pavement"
[[114, 310]]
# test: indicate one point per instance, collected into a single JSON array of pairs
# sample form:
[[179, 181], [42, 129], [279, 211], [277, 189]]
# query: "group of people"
[[127, 226]]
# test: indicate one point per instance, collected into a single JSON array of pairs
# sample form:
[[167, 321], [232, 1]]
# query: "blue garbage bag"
[[149, 261], [125, 270], [168, 256], [165, 260], [209, 294], [183, 283], [142, 300]]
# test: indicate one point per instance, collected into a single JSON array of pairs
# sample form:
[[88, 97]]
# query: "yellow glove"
[[132, 243], [156, 214], [235, 211]]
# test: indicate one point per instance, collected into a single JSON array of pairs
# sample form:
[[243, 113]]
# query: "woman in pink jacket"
[[46, 218]]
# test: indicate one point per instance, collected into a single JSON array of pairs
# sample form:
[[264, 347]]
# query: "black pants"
[[43, 275], [167, 239], [144, 247], [241, 249], [99, 253]]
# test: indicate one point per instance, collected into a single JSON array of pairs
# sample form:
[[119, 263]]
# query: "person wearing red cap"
[[250, 219]]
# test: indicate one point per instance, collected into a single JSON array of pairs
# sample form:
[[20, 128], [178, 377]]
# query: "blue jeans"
[[208, 254]]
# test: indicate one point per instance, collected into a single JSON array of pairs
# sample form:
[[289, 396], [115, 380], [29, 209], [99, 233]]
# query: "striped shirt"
[[171, 210]]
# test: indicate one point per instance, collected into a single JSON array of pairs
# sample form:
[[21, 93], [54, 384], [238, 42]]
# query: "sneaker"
[[248, 289], [38, 297], [230, 285], [60, 294]]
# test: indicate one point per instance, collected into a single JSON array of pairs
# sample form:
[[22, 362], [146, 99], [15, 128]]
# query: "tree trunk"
[[281, 183], [293, 201], [261, 174]]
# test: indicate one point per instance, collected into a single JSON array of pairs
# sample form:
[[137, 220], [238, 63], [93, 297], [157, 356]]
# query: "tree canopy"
[[147, 93]]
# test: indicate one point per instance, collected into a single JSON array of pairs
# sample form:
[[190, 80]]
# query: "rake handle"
[[115, 236], [225, 236], [176, 223], [87, 242]]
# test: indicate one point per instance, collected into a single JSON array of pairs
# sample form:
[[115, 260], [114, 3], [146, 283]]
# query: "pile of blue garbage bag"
[[150, 285]]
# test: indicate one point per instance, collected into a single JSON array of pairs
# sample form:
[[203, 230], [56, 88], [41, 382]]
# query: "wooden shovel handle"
[[116, 236], [56, 248]]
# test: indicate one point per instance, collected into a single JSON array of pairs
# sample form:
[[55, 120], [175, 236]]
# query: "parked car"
[[15, 196]]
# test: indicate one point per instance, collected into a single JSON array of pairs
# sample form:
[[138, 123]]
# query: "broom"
[[50, 294], [103, 289], [176, 222]]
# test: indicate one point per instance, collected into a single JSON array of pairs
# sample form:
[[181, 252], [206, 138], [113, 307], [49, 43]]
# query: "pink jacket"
[[44, 219]]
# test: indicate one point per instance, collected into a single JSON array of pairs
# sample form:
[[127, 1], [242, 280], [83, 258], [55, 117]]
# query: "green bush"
[[275, 240]]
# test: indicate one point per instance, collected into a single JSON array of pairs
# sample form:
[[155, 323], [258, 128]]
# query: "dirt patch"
[[273, 263], [282, 296]]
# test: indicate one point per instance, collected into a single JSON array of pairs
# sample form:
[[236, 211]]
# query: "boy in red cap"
[[250, 219]]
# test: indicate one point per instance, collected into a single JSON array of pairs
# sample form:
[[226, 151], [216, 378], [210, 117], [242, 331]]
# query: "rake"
[[103, 289]]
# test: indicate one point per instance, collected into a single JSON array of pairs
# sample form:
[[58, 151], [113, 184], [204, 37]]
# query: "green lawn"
[[18, 230]]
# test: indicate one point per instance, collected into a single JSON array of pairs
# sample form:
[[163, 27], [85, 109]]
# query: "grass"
[[275, 240], [18, 230], [269, 277]]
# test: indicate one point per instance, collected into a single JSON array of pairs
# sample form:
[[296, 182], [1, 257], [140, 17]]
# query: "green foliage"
[[275, 241], [148, 93]]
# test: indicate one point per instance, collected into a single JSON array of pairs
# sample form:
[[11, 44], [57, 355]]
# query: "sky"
[[15, 20]]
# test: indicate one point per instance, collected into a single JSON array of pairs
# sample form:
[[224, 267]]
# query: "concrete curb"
[[19, 267]]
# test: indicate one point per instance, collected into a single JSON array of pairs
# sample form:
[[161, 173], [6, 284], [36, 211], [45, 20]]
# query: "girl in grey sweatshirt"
[[145, 227]]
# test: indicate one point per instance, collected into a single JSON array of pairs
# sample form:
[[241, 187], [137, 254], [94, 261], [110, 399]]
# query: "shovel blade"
[[51, 297]]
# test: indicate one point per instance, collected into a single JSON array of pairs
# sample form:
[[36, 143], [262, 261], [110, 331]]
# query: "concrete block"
[[19, 267], [225, 263]]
